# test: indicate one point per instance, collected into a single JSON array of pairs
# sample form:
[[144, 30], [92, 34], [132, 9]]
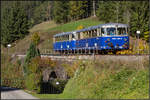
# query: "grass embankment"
[[46, 30], [107, 79]]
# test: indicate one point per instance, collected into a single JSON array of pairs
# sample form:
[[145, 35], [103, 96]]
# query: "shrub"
[[12, 74], [141, 48], [80, 27], [73, 68], [35, 67], [146, 35], [32, 82], [35, 38], [31, 53]]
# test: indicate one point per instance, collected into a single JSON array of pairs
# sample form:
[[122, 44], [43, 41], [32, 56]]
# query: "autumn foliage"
[[136, 47]]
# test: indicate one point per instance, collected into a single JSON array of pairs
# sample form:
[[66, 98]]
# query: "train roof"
[[94, 27]]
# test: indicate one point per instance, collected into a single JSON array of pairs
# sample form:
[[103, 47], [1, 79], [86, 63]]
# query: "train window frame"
[[113, 33], [122, 34], [104, 31], [73, 37]]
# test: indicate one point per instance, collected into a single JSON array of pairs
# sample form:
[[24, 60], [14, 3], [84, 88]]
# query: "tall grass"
[[109, 80]]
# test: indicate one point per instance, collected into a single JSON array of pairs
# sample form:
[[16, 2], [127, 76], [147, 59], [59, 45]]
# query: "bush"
[[31, 53], [73, 69], [35, 38], [12, 73], [32, 82], [108, 80], [34, 78]]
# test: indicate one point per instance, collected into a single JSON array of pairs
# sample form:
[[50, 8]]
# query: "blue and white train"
[[101, 38]]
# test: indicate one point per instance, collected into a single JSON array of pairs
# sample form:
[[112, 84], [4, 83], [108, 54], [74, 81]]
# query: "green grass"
[[98, 81], [73, 25]]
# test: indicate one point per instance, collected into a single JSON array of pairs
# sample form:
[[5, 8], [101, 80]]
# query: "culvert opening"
[[54, 85], [52, 75]]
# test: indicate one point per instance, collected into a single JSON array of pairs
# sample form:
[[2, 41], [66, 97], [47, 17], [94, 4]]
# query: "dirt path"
[[12, 93]]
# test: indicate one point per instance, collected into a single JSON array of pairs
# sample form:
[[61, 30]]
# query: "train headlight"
[[95, 44], [67, 46]]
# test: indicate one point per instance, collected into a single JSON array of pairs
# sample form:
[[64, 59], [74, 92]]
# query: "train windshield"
[[122, 31], [111, 31]]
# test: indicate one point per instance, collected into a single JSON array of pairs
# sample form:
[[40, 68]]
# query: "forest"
[[17, 17]]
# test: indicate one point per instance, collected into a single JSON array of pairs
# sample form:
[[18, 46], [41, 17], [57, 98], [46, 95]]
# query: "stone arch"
[[57, 72], [52, 75]]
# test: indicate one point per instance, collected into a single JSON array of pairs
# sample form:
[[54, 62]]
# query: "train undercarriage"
[[87, 51]]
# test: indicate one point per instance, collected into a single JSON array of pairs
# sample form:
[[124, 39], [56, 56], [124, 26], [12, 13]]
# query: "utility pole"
[[138, 33], [94, 8]]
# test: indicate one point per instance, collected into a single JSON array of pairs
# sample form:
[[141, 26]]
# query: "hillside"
[[46, 30], [106, 79]]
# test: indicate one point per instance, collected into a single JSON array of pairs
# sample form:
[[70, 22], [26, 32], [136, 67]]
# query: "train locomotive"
[[101, 38]]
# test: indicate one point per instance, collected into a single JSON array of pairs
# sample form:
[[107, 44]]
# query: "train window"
[[63, 38], [67, 37], [111, 31], [99, 32], [95, 32], [73, 36], [90, 35], [121, 31], [102, 31], [85, 34], [59, 38]]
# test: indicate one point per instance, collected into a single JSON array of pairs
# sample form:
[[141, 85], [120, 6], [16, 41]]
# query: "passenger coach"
[[100, 38]]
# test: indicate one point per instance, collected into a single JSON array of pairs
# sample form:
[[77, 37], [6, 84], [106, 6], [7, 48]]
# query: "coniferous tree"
[[139, 17], [61, 11], [32, 52], [40, 14], [14, 26], [77, 9], [107, 11]]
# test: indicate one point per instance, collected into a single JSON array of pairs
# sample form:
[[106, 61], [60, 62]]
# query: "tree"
[[147, 36], [61, 11], [139, 17], [77, 9], [107, 11], [16, 25], [40, 13], [35, 38], [32, 52]]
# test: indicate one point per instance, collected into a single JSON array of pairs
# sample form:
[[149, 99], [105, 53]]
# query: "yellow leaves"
[[80, 27], [35, 38], [125, 52], [141, 48], [37, 64], [146, 35]]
